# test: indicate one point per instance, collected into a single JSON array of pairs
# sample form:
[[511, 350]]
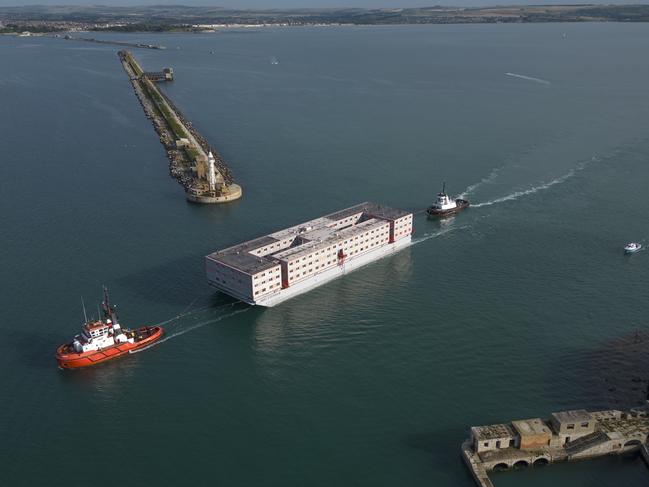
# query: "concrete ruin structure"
[[570, 425], [532, 433], [565, 436]]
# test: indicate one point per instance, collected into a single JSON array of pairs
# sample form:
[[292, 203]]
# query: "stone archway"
[[541, 462], [499, 467], [631, 443], [521, 464]]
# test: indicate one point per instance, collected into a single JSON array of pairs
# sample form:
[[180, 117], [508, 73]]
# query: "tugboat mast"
[[109, 311], [85, 315], [105, 304]]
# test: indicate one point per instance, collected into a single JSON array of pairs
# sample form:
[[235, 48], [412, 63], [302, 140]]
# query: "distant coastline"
[[44, 19]]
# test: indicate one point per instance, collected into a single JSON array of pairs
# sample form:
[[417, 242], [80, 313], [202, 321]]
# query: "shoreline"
[[160, 19]]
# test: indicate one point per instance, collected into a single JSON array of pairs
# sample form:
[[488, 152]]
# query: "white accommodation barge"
[[271, 269]]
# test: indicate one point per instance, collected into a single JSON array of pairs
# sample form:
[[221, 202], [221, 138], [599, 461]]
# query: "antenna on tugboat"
[[83, 305], [444, 187], [106, 297], [106, 303]]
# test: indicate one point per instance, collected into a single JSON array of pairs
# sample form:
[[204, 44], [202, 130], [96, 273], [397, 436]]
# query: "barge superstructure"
[[271, 269]]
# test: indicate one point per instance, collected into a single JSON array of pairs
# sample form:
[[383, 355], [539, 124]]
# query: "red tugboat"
[[445, 206], [104, 340]]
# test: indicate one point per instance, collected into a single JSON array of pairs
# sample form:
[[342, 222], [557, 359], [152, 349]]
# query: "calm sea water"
[[521, 306]]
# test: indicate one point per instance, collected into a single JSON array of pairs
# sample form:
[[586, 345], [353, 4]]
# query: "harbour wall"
[[478, 472], [594, 435], [172, 127], [139, 45], [235, 192]]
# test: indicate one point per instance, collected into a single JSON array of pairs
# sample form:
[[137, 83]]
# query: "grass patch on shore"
[[192, 152], [133, 64], [172, 122]]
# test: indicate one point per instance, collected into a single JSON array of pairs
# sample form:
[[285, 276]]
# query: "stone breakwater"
[[220, 164], [179, 161], [191, 159]]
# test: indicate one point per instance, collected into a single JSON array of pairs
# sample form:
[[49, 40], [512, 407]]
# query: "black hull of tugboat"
[[461, 205]]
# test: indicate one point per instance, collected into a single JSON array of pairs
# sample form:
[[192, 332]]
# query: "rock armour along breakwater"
[[192, 161], [140, 45]]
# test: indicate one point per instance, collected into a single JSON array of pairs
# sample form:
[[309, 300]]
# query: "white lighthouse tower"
[[211, 171]]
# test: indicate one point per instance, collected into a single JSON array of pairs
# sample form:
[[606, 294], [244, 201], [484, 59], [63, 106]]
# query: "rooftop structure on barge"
[[276, 267]]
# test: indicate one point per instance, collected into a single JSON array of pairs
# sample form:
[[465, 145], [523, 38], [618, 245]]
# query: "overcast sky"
[[304, 3]]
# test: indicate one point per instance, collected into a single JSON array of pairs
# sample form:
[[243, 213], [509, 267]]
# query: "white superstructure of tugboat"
[[444, 205], [632, 247]]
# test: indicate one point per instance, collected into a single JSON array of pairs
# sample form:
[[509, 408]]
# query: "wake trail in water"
[[518, 194], [490, 178], [185, 313], [428, 236], [535, 189], [181, 315], [191, 328], [528, 78]]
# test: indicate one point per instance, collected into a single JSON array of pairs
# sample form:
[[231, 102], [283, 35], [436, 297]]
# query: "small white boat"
[[632, 247]]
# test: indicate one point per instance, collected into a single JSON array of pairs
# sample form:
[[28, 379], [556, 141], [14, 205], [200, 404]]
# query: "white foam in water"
[[536, 189], [191, 328], [428, 236], [528, 78], [181, 315], [469, 189]]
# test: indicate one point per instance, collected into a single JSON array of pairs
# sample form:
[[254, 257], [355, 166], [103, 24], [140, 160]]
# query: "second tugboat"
[[103, 340], [445, 206]]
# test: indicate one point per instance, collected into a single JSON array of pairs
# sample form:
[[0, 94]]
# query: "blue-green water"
[[521, 306]]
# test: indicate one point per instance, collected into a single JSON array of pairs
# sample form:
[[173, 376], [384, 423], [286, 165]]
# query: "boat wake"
[[471, 188], [181, 315], [182, 327], [518, 194], [528, 78], [439, 233], [535, 189]]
